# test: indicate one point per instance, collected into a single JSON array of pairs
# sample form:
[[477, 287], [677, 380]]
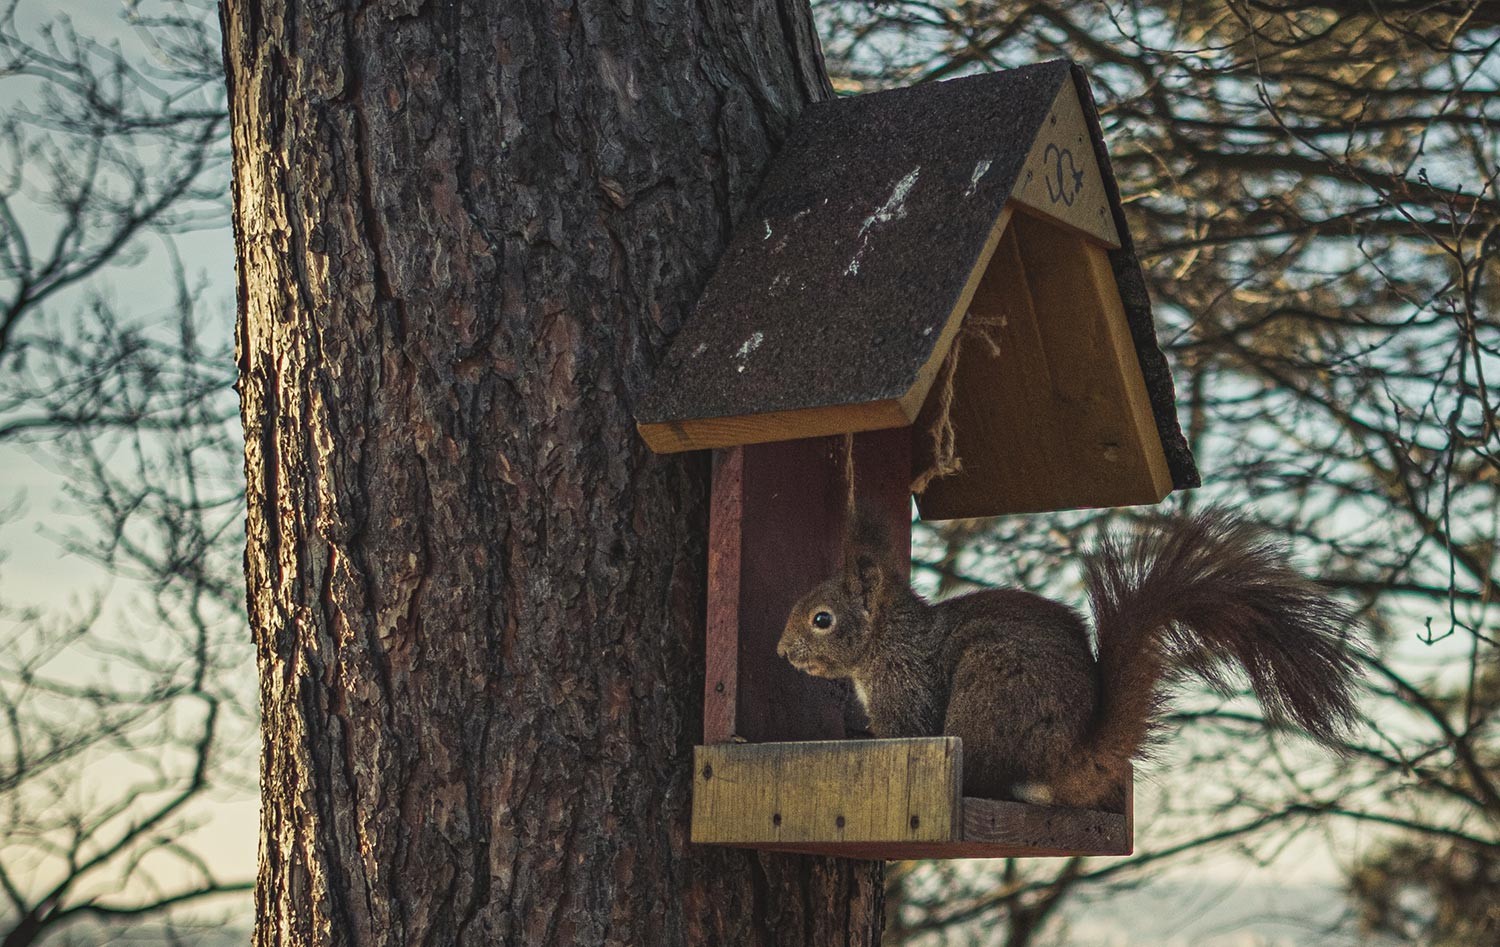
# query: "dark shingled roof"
[[840, 276]]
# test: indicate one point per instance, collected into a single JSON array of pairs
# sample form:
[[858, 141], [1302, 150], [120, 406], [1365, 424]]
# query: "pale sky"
[[34, 570]]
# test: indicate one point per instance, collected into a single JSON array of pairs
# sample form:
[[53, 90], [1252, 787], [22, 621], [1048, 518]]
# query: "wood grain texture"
[[777, 528], [721, 682], [887, 799], [1100, 284], [1017, 828], [465, 233], [1057, 416], [848, 791], [1131, 283]]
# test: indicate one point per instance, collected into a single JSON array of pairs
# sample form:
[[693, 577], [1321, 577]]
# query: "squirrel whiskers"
[[1042, 716]]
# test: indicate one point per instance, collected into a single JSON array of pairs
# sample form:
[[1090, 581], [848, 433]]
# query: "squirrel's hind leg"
[[1017, 715]]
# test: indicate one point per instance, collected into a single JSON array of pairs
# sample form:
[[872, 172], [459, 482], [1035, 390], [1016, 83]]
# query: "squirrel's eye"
[[823, 620]]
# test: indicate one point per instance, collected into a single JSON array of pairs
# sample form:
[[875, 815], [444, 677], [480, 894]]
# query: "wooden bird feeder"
[[945, 272]]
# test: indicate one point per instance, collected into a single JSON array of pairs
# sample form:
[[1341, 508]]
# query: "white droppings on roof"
[[895, 205], [748, 346], [768, 229], [894, 208], [981, 168], [751, 344], [699, 349]]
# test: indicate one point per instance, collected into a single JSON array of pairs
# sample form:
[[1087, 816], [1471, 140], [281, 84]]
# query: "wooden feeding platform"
[[890, 799], [944, 273]]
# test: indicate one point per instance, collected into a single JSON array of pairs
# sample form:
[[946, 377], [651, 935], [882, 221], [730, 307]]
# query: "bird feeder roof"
[[883, 222]]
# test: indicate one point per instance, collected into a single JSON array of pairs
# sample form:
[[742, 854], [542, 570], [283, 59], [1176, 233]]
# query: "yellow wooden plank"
[[840, 792], [1061, 178]]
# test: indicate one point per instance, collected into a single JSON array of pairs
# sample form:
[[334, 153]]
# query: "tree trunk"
[[465, 233]]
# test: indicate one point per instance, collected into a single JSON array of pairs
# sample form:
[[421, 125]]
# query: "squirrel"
[[1044, 718]]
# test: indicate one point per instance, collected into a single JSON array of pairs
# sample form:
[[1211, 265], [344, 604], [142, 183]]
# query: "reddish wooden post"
[[776, 525]]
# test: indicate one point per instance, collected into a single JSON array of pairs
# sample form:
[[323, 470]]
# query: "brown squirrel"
[[1042, 718]]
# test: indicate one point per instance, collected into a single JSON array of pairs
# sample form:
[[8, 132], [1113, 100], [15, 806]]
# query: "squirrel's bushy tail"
[[1207, 594]]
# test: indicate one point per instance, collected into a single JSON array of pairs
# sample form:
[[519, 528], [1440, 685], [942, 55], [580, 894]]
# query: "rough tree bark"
[[465, 232]]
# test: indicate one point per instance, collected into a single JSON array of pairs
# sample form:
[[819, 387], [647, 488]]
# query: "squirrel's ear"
[[865, 532], [865, 577], [866, 542]]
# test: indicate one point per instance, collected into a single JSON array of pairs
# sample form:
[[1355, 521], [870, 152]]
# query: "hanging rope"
[[849, 497], [945, 459]]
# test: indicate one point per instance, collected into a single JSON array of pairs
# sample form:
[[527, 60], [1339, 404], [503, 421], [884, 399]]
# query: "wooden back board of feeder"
[[937, 283]]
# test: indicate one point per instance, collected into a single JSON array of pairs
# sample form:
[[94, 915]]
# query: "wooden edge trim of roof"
[[1131, 281], [1101, 283], [671, 437], [911, 402]]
